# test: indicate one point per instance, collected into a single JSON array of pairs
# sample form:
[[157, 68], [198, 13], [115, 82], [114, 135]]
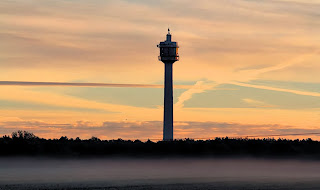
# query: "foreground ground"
[[221, 185], [178, 173]]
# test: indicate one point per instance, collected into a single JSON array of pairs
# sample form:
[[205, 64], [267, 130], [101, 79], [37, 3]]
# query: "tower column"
[[168, 103]]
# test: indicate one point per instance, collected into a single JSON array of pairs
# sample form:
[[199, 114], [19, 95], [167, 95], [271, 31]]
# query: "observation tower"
[[168, 55]]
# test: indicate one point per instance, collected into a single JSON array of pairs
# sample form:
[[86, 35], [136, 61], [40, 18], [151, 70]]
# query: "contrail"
[[305, 93], [110, 85], [85, 84], [199, 87]]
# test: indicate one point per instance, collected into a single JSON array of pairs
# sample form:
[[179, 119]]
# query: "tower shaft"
[[168, 104]]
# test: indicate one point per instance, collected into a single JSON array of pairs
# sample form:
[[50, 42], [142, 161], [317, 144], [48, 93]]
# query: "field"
[[173, 173]]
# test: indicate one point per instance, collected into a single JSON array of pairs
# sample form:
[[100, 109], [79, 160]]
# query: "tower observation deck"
[[168, 55]]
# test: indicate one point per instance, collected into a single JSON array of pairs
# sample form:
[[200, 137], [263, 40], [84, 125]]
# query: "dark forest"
[[23, 143]]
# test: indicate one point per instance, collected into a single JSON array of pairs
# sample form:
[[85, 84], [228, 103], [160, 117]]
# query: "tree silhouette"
[[23, 135], [23, 143]]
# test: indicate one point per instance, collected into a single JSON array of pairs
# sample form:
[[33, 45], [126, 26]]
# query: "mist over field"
[[16, 173]]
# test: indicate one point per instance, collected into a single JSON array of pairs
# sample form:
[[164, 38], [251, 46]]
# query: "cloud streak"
[[305, 93], [257, 103], [196, 89], [85, 84]]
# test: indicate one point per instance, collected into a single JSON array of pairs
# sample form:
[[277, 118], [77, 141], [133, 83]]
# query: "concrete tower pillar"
[[168, 55], [168, 103]]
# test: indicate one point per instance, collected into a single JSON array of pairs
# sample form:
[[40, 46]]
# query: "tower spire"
[[168, 36]]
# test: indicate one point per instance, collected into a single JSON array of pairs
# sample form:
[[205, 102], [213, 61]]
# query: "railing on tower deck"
[[176, 58]]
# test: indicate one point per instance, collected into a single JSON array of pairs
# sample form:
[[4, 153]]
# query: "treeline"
[[23, 143]]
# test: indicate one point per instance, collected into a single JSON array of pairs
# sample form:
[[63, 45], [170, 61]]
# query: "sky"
[[247, 68]]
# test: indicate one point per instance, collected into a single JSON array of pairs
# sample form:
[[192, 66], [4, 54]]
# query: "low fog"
[[119, 171]]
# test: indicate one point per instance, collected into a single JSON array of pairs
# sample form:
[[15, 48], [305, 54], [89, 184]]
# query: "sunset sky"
[[247, 67]]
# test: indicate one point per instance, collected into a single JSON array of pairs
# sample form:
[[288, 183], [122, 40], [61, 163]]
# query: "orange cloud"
[[153, 130]]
